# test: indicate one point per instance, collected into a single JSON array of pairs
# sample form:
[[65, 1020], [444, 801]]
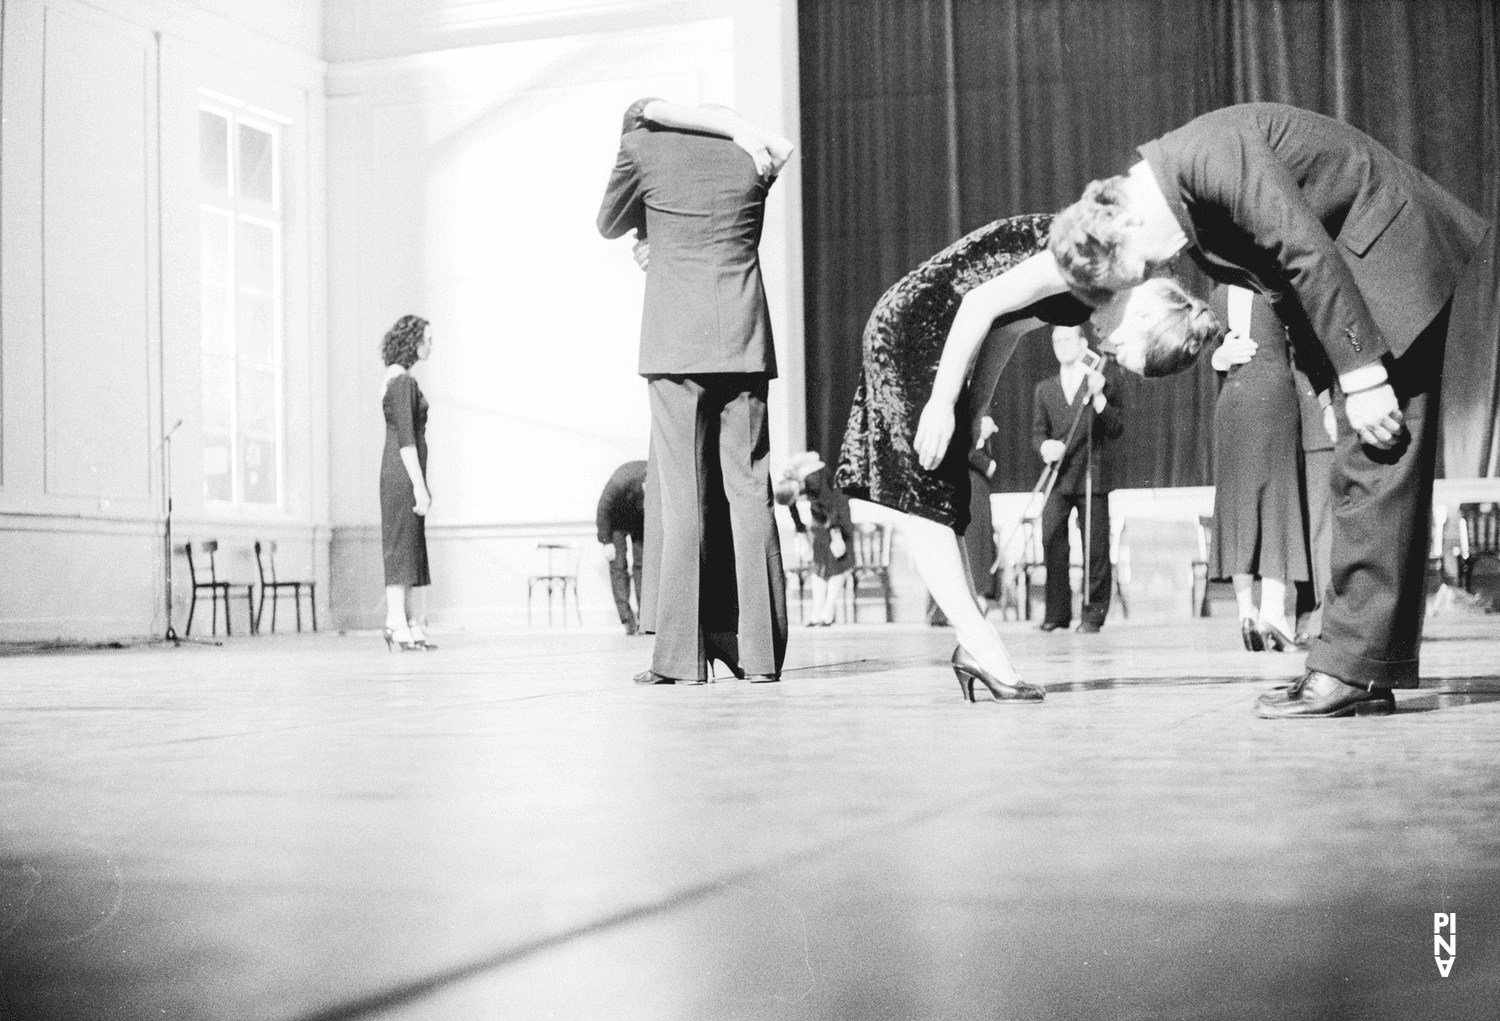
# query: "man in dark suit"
[[1369, 251], [621, 524], [1081, 479], [696, 203]]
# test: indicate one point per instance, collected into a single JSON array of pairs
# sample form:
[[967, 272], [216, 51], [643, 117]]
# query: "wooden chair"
[[215, 589], [275, 587], [1030, 562], [1478, 539], [559, 576], [872, 566]]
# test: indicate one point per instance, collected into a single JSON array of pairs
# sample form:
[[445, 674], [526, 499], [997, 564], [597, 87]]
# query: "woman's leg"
[[395, 606], [1273, 604], [1244, 595], [833, 592], [935, 550]]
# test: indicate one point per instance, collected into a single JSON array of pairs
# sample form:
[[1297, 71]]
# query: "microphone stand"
[[171, 635]]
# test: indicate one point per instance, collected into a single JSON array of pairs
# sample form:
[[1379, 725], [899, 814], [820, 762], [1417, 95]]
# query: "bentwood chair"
[[558, 577], [872, 566], [215, 588], [1478, 539], [276, 586]]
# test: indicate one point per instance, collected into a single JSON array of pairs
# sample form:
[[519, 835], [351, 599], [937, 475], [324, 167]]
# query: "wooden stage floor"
[[305, 827]]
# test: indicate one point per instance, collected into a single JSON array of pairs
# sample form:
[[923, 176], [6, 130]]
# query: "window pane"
[[213, 154], [215, 335], [218, 396], [216, 482], [256, 268], [213, 246], [258, 465], [257, 339], [256, 159], [257, 403]]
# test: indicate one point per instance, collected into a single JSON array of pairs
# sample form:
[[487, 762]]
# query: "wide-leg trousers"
[[1382, 510], [720, 589], [1056, 556]]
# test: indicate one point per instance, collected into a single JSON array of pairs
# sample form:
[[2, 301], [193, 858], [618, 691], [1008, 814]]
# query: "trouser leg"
[[1372, 622], [1055, 558], [760, 581], [649, 576], [1101, 576], [678, 431], [619, 580]]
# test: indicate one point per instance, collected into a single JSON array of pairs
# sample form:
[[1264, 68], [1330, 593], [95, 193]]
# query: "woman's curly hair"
[[402, 340], [1186, 325], [1087, 240]]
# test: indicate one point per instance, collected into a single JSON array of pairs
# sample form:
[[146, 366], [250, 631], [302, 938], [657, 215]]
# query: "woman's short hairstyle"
[[1087, 242], [402, 340], [1185, 326]]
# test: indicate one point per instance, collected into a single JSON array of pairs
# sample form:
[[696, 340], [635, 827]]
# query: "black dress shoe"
[[1319, 696], [1250, 636], [1089, 627], [762, 678], [1052, 625]]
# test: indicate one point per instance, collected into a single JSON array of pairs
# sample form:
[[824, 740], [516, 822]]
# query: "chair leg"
[[228, 627], [577, 603], [312, 602], [297, 599], [192, 607], [885, 590], [275, 598]]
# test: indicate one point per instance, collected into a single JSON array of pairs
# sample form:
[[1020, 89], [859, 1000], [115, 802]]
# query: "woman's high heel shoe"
[[968, 670], [1276, 640], [401, 640], [1250, 635], [419, 639]]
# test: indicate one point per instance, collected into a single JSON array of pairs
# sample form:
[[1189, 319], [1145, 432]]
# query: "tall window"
[[240, 221]]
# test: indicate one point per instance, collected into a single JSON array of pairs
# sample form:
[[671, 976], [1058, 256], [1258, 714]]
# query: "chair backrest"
[[1479, 529], [872, 545], [187, 549], [211, 547], [260, 566]]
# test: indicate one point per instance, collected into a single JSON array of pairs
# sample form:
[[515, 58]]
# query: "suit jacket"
[[622, 505], [701, 204], [1290, 202], [1052, 415]]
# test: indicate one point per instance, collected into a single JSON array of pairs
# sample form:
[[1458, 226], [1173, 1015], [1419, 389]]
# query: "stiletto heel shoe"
[[1250, 635], [387, 639], [968, 670], [1276, 640], [395, 638], [419, 639]]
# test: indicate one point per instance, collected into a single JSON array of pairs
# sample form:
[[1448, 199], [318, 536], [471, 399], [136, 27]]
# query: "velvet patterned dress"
[[903, 342]]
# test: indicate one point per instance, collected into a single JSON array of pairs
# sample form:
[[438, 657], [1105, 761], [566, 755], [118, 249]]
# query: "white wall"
[[100, 318], [469, 147]]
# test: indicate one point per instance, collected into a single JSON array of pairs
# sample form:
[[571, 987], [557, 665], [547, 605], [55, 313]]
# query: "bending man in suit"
[[621, 523], [1057, 401], [1369, 250], [696, 203]]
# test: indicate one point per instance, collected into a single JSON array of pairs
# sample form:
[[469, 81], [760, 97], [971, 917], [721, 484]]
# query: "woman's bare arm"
[[1015, 289], [768, 149]]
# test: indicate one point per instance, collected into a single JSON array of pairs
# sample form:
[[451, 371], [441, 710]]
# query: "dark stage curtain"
[[924, 119]]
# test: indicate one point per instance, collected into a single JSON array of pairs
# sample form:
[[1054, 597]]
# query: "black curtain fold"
[[923, 119]]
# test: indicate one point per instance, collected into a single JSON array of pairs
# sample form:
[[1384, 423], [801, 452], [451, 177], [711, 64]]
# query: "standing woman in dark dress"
[[920, 347], [404, 499], [1259, 527], [831, 532]]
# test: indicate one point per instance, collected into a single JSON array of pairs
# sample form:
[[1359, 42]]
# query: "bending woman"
[[920, 348]]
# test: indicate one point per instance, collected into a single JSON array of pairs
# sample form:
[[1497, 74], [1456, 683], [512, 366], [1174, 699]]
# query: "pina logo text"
[[1444, 948]]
